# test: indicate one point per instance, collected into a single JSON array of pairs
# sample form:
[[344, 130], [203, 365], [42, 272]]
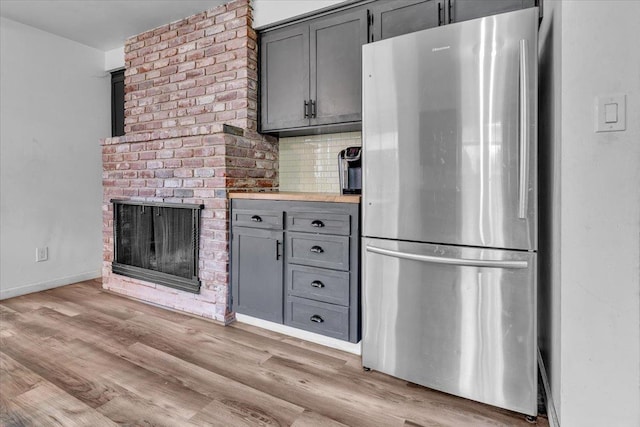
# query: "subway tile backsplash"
[[310, 163]]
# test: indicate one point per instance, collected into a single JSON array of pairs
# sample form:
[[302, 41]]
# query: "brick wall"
[[185, 82], [199, 70]]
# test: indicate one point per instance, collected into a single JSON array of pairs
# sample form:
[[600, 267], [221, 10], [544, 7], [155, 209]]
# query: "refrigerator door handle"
[[449, 261], [524, 132]]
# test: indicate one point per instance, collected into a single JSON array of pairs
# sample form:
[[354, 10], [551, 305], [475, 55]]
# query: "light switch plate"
[[611, 104]]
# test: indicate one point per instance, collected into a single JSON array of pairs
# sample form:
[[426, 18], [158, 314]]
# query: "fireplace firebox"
[[157, 242]]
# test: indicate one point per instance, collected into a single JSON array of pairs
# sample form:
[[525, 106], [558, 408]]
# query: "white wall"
[[550, 143], [269, 11], [55, 106], [600, 217], [114, 59], [265, 12]]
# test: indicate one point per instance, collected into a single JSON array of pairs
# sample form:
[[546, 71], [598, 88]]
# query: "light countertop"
[[290, 195]]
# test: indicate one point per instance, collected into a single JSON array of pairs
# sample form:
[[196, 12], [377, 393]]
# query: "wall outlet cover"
[[42, 254]]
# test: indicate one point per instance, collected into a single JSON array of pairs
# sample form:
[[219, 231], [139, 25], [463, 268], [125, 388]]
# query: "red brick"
[[240, 22], [155, 183], [168, 35], [226, 76], [194, 163], [164, 192], [225, 115], [214, 50], [225, 17], [225, 36], [184, 152], [168, 53], [192, 142], [195, 35], [183, 173]]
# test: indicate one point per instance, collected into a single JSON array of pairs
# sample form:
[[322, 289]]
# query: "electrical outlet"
[[42, 254]]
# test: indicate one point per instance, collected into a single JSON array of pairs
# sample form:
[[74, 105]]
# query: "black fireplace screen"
[[157, 242]]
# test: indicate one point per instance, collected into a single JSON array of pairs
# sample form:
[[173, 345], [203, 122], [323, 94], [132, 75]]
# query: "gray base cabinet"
[[297, 263], [256, 272]]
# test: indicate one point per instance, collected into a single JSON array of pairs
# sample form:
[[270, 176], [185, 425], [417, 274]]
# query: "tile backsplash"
[[310, 163]]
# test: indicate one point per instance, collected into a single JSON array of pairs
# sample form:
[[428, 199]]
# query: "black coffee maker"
[[350, 170]]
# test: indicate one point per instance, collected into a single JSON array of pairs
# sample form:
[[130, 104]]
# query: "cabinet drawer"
[[318, 284], [257, 218], [319, 317], [318, 251], [323, 223]]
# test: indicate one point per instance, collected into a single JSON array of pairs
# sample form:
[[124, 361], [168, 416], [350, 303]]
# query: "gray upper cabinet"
[[311, 68], [336, 68], [390, 18], [463, 10], [311, 72], [285, 78]]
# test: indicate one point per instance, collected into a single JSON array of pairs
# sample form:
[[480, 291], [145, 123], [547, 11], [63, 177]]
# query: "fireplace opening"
[[157, 242]]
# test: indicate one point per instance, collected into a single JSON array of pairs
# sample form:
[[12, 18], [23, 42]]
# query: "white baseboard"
[[299, 333], [49, 284], [552, 415]]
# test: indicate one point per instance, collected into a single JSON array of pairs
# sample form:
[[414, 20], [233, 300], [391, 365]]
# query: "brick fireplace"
[[190, 137]]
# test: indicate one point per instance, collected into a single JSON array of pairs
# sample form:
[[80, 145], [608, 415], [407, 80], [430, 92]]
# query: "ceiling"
[[102, 24]]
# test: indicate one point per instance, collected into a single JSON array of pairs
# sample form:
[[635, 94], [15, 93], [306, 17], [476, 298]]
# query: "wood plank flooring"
[[79, 356]]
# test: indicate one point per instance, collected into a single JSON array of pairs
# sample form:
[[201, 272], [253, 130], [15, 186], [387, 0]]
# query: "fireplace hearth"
[[157, 242]]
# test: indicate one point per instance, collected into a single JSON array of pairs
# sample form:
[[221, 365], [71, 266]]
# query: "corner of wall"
[[550, 144], [114, 59]]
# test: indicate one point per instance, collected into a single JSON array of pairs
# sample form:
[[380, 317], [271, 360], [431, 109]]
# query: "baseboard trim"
[[299, 333], [552, 415], [49, 284]]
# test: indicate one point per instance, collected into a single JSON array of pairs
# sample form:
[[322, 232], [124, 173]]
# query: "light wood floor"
[[77, 355]]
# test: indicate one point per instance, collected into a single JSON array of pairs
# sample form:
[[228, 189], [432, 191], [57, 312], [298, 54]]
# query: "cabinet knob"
[[317, 284], [316, 249], [317, 223], [256, 218], [316, 319]]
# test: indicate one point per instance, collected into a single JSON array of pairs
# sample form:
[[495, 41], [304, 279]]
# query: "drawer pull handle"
[[256, 218], [316, 319], [317, 223], [317, 284], [316, 249]]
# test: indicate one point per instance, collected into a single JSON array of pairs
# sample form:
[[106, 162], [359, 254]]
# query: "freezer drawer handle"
[[256, 218], [317, 223], [316, 319], [316, 249], [450, 261], [317, 284]]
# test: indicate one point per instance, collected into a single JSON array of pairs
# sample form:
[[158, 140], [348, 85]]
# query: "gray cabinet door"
[[285, 78], [397, 17], [336, 67], [256, 271], [463, 10]]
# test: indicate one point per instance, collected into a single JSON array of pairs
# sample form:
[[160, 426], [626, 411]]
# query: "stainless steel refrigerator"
[[450, 208]]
